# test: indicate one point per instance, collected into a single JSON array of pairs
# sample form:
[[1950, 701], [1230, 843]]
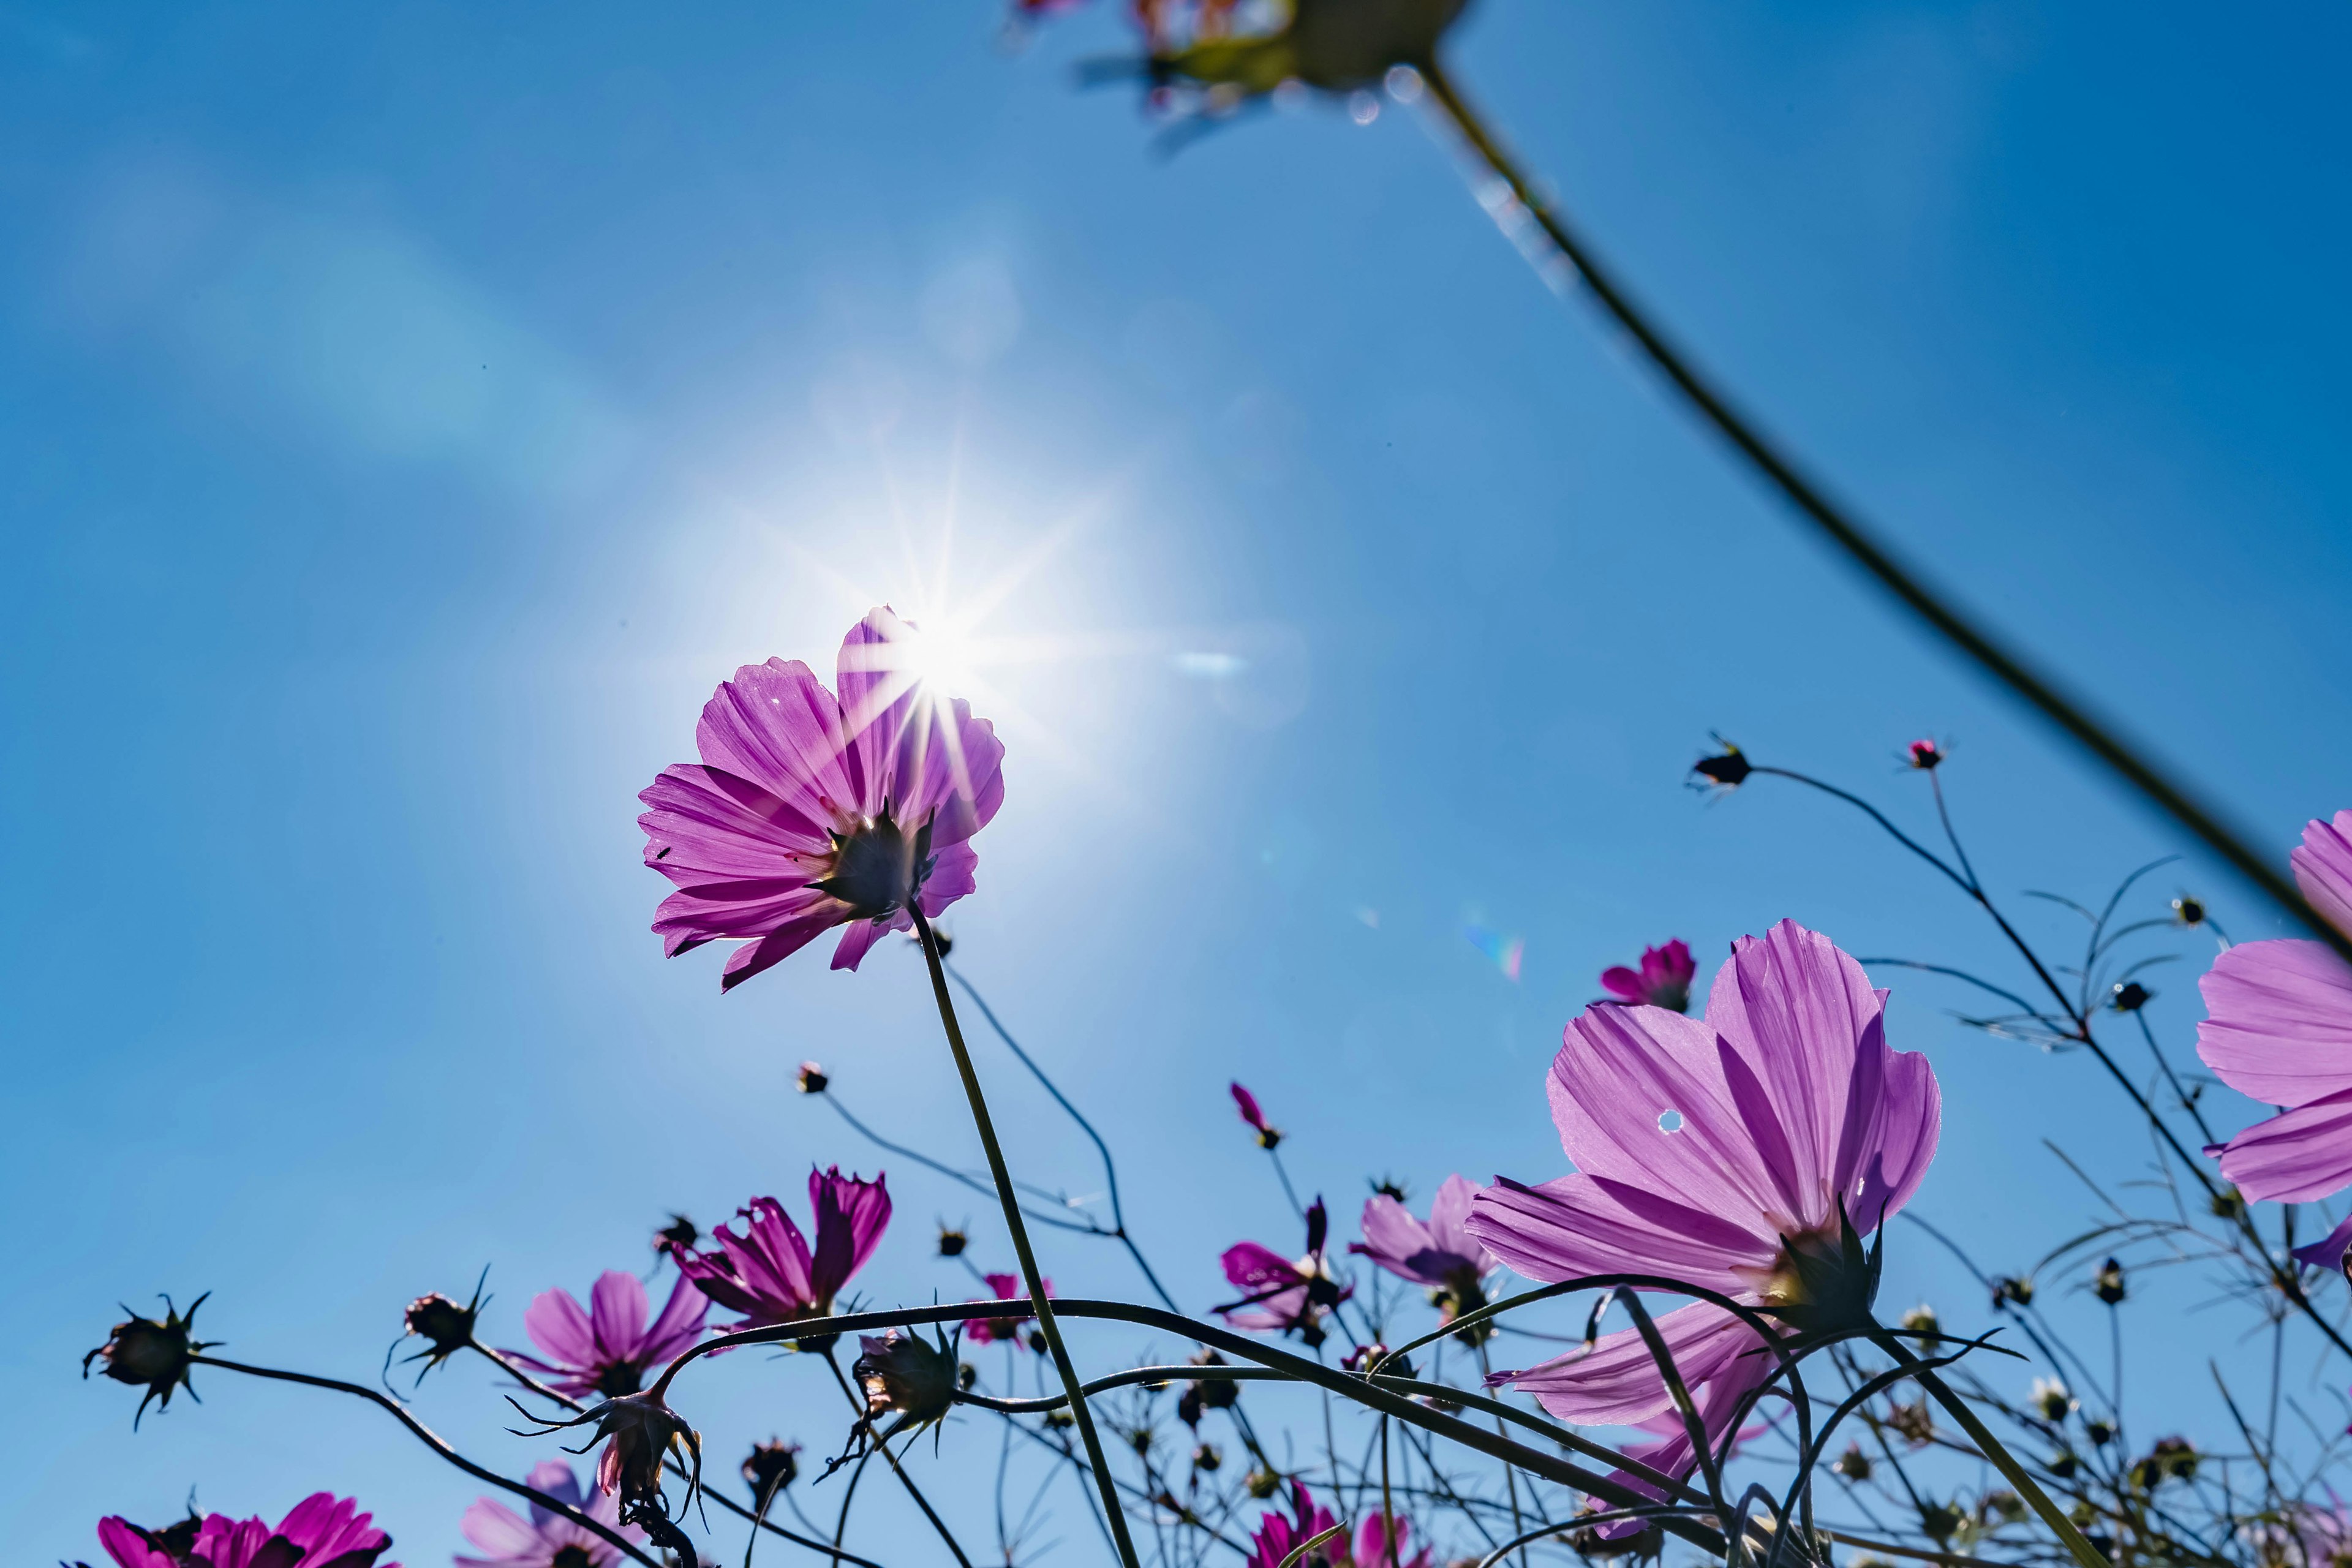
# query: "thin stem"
[[425, 1436], [1849, 533], [897, 1469], [1021, 1247], [1510, 1477]]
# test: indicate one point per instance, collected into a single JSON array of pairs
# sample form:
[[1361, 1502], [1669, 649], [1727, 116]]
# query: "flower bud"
[[770, 1468], [2108, 1285], [1263, 1483], [2130, 998], [2062, 1466], [952, 1241], [1921, 1320], [2188, 912], [1914, 1423], [2099, 1432], [1853, 1464], [902, 1375], [1938, 1521], [2011, 1290], [144, 1351], [2052, 1399], [1390, 1187], [1206, 1458], [1925, 755], [811, 1079], [2000, 1506], [1729, 769], [2227, 1203], [680, 1232]]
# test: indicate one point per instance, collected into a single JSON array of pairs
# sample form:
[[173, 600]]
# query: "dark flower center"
[[1822, 1283], [621, 1377], [571, 1557], [877, 867]]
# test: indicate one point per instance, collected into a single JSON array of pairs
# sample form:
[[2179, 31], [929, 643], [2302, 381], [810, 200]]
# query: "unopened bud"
[[771, 1467], [811, 1079], [2108, 1285], [1206, 1458], [902, 1375], [2130, 998], [1263, 1483], [152, 1353], [952, 1241]]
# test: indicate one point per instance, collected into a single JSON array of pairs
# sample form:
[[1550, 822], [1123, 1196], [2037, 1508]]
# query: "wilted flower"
[[1267, 1135], [2107, 1284], [1438, 1252], [1746, 1154], [1001, 1330], [1728, 768], [323, 1532], [2278, 1028], [1663, 981], [153, 1352], [1281, 1294], [811, 1079], [609, 1352], [1923, 754], [545, 1539], [771, 1467], [771, 1274], [905, 1376], [2051, 1399], [810, 811]]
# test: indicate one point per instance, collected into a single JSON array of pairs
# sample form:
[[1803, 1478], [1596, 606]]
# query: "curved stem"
[[1848, 533], [432, 1441], [1021, 1247]]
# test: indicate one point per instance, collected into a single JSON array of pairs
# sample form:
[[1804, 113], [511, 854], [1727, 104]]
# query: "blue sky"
[[407, 417]]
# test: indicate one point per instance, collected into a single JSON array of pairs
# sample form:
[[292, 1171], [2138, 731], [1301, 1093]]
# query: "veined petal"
[[776, 725], [2278, 1024], [1617, 1381], [1583, 1224], [616, 1313], [2322, 868], [560, 1329], [2297, 1156]]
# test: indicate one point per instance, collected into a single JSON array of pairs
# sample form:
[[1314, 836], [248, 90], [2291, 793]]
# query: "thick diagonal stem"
[[1115, 1514], [1849, 534]]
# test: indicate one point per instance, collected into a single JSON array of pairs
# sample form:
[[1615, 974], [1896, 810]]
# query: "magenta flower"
[[608, 1350], [1745, 1153], [1278, 1537], [323, 1532], [1925, 755], [1280, 1294], [1001, 1330], [1664, 981], [1439, 1253], [545, 1539], [808, 812], [771, 1274], [2278, 1028], [1268, 1135], [1372, 1545]]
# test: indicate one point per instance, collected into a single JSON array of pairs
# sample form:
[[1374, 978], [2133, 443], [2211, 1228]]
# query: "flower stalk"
[[1115, 1514]]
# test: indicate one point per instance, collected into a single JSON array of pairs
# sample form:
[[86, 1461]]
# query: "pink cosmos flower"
[[810, 811], [323, 1532], [608, 1350], [771, 1274], [1278, 1537], [1001, 1330], [1246, 1103], [1371, 1548], [2278, 1028], [1438, 1252], [1731, 1153], [1280, 1294], [545, 1539], [1664, 981]]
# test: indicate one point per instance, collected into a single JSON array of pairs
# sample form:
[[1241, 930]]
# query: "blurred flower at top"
[[810, 811], [770, 1273], [2278, 1028], [1268, 1135], [323, 1532], [1280, 1294], [1229, 52], [1001, 1330], [1747, 1153], [1438, 1252], [1663, 979], [545, 1539], [608, 1349]]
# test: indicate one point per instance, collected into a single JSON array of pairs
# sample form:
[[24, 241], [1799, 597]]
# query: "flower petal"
[[1616, 1381], [1583, 1224], [776, 725], [616, 1311], [2322, 868], [2297, 1156], [2278, 1024], [560, 1329]]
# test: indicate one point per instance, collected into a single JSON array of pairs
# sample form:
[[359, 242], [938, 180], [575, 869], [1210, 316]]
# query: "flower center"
[[875, 868], [621, 1377], [1822, 1281], [571, 1557]]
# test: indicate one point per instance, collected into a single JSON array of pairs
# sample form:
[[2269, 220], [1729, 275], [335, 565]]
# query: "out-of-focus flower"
[[2107, 1284], [1925, 755], [1268, 1135], [1853, 1464], [2051, 1399], [771, 1274], [1747, 1153], [2278, 1028], [1915, 1423], [954, 1240], [1727, 768], [1921, 1320], [1663, 981], [903, 1375], [1281, 1294], [811, 1079], [1206, 1458], [608, 1349], [1001, 1330], [1278, 1535], [1203, 1394], [445, 1327], [2101, 1433], [771, 1467], [1262, 1483], [1373, 1549], [2129, 996], [323, 1532], [1438, 1252], [2172, 1459], [546, 1539], [151, 1352], [2012, 1291], [1335, 46], [2188, 912], [810, 811], [680, 1232]]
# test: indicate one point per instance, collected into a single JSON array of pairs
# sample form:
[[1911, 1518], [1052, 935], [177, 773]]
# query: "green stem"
[[1992, 1448], [1114, 1512], [1849, 534]]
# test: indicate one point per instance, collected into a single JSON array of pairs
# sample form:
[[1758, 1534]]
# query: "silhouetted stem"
[[1848, 533], [1021, 1247]]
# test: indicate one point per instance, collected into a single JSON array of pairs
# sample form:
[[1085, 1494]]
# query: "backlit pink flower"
[[545, 1539], [997, 1330], [1277, 1536], [1663, 981], [608, 1350], [771, 1274], [1728, 1153], [1246, 1103], [321, 1529], [810, 811], [1280, 1294], [1438, 1252], [2278, 1028]]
